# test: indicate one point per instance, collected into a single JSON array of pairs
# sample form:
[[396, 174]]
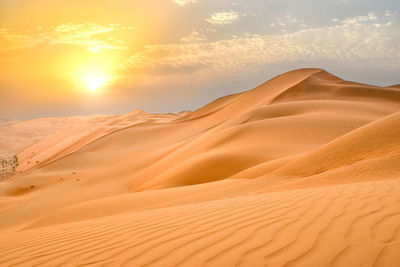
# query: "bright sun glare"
[[95, 81]]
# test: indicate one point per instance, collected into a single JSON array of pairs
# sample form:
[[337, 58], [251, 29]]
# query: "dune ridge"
[[303, 170]]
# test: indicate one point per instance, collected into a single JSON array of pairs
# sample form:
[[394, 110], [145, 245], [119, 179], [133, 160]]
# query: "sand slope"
[[16, 136], [300, 171]]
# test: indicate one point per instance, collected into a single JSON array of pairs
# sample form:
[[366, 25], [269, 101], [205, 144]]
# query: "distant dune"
[[18, 135], [303, 170], [15, 136]]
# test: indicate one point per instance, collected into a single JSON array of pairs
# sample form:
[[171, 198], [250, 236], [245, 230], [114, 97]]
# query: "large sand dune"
[[303, 170]]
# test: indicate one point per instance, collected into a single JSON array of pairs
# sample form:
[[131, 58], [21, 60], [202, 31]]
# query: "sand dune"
[[16, 136], [303, 170]]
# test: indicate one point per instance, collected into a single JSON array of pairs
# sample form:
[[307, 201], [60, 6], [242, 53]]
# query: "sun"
[[95, 81], [94, 77]]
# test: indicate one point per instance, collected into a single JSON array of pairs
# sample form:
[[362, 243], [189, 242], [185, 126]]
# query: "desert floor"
[[303, 170]]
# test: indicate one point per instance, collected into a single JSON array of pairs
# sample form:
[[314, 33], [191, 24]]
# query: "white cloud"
[[183, 2], [358, 19], [349, 43], [390, 13], [288, 23], [222, 18], [371, 16]]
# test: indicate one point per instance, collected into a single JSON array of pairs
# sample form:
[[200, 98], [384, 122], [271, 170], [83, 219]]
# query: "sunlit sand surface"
[[303, 170]]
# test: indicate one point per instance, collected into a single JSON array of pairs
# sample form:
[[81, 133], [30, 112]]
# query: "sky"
[[81, 57]]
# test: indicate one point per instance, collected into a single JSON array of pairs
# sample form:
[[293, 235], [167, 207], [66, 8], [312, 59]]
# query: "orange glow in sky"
[[53, 52], [112, 56]]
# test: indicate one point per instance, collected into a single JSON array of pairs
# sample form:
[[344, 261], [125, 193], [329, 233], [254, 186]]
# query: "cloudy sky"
[[67, 57]]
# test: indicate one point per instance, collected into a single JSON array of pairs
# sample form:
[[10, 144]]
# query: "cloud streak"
[[223, 18], [88, 35]]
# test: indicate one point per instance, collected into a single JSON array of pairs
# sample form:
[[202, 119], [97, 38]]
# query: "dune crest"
[[303, 170]]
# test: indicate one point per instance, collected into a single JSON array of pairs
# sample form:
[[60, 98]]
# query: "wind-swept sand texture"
[[303, 170]]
